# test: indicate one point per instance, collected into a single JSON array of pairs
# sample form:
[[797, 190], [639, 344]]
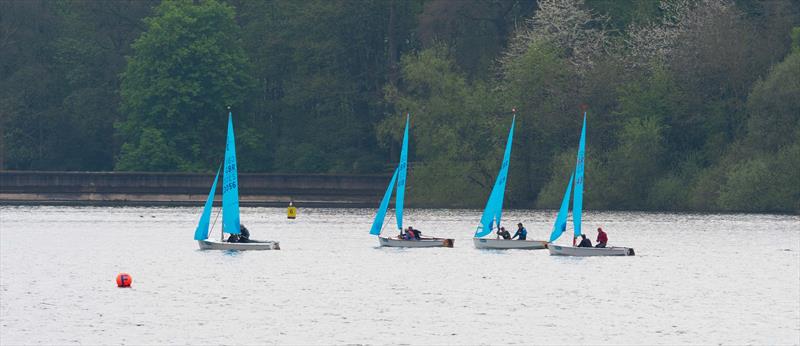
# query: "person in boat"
[[407, 234], [503, 233], [413, 234], [242, 237], [244, 234], [602, 238], [522, 233], [585, 242]]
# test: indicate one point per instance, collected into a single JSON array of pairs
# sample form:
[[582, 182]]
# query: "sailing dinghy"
[[494, 210], [399, 177], [577, 208], [230, 206]]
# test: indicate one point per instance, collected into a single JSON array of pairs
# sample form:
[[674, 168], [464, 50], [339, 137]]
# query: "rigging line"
[[385, 223], [215, 222]]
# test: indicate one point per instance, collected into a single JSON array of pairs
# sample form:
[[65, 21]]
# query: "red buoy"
[[124, 280]]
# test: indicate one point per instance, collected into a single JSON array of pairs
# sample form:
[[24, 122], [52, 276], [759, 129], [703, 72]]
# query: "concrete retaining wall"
[[142, 188]]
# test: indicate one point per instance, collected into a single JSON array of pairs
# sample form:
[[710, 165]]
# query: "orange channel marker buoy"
[[124, 280]]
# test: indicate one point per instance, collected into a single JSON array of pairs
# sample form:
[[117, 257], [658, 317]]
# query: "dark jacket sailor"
[[522, 233], [503, 233], [242, 237], [585, 242]]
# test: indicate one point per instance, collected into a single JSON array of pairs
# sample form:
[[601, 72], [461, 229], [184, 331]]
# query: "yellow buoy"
[[291, 212]]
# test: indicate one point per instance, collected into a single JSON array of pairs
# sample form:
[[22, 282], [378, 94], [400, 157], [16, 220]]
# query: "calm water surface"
[[698, 279]]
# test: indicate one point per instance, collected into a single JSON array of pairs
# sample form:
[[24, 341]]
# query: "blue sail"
[[487, 223], [230, 185], [561, 220], [377, 225], [577, 203], [494, 205], [201, 232], [401, 178]]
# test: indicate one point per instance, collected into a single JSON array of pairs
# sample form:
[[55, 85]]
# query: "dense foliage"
[[185, 68], [692, 104]]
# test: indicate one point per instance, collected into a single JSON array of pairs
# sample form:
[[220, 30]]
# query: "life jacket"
[[602, 237]]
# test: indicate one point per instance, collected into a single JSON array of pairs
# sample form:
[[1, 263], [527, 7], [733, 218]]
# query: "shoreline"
[[170, 189], [186, 189]]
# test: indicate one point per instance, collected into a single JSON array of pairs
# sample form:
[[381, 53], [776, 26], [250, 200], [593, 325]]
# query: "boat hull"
[[256, 245], [558, 250], [425, 242], [481, 243]]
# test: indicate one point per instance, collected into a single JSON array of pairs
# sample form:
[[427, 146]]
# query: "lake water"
[[695, 279]]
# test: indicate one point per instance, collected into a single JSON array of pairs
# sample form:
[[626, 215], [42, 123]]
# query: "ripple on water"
[[705, 279]]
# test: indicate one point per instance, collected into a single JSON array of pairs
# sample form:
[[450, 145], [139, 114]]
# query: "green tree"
[[540, 84], [59, 81], [90, 55], [764, 183], [622, 13], [476, 31], [321, 68], [33, 131], [151, 153], [774, 105], [457, 138], [762, 173], [186, 68], [638, 161], [717, 56]]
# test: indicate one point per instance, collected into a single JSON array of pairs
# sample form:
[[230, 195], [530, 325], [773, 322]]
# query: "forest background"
[[693, 105]]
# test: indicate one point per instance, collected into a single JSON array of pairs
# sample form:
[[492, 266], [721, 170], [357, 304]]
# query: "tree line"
[[692, 104]]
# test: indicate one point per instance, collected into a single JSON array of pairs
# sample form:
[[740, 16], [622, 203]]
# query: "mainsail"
[[577, 203], [494, 205], [401, 177], [230, 185], [201, 233]]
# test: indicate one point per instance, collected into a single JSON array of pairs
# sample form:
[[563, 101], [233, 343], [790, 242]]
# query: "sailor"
[[503, 233], [585, 242], [244, 234], [413, 234], [242, 237], [602, 238], [522, 233]]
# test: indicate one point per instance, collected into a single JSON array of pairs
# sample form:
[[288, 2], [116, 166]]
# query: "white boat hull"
[[425, 242], [558, 250], [257, 245], [482, 243]]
